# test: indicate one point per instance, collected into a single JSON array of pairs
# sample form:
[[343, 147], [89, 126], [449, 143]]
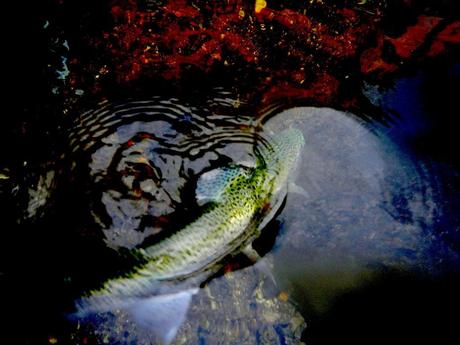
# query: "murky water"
[[127, 179]]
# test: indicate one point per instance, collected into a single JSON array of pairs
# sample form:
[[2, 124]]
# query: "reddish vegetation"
[[450, 35], [414, 36], [374, 61], [321, 90], [287, 52]]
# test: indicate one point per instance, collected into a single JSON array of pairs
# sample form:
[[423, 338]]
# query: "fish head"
[[280, 157]]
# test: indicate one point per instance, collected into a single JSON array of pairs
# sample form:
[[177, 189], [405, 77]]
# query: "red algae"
[[410, 46], [372, 60], [322, 90], [293, 53], [414, 37], [450, 35]]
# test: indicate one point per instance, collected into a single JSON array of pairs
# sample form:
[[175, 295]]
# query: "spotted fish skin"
[[228, 224]]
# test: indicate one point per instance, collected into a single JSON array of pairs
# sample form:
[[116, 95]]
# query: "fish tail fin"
[[162, 315]]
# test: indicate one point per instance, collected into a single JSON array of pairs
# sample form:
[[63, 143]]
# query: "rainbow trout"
[[238, 202]]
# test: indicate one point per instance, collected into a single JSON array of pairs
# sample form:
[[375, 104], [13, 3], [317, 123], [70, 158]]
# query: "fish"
[[238, 201]]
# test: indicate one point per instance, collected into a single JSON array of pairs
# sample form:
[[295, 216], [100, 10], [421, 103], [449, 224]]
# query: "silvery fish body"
[[238, 202]]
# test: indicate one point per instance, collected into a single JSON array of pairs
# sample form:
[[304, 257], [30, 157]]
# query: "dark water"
[[369, 255]]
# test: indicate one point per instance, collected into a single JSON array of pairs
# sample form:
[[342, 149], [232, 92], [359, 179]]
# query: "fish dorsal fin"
[[212, 184]]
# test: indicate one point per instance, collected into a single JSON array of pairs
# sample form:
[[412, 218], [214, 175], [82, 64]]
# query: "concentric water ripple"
[[142, 155]]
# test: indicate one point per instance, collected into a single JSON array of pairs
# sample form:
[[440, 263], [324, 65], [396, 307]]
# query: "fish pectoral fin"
[[212, 184], [295, 188], [162, 315], [261, 264], [265, 267], [251, 253]]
